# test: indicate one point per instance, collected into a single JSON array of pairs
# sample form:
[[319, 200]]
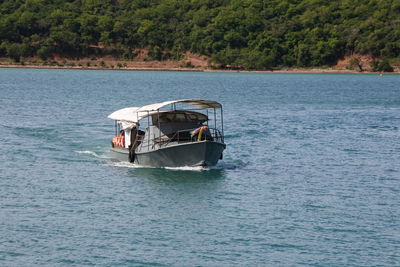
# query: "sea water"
[[310, 176]]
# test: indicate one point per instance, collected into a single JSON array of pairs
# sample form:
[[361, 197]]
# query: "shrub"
[[43, 52], [156, 53], [383, 65], [3, 50], [355, 64], [129, 54], [189, 64], [374, 65], [14, 51]]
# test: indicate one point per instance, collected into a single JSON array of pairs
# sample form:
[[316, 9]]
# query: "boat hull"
[[120, 154], [204, 153]]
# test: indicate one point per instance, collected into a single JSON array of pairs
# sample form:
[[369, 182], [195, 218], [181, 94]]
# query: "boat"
[[176, 133]]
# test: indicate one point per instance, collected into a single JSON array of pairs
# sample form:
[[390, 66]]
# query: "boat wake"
[[124, 164], [219, 166], [92, 153], [224, 165], [187, 168]]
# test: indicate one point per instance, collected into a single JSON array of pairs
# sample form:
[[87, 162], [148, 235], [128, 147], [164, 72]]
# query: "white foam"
[[187, 168], [125, 164], [220, 166], [92, 153]]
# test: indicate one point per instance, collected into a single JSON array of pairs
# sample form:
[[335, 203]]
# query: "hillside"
[[247, 34]]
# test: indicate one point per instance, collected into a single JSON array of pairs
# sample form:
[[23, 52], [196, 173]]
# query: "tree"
[[383, 65], [238, 33], [15, 51]]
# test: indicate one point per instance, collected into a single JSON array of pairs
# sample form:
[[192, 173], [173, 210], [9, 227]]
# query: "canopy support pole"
[[137, 134], [215, 124], [148, 131], [222, 125], [159, 126]]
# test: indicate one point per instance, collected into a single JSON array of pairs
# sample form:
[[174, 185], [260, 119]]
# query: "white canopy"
[[200, 103], [125, 114], [135, 114]]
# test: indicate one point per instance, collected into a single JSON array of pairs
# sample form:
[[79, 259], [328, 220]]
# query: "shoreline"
[[194, 69]]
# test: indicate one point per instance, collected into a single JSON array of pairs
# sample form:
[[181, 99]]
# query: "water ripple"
[[310, 176]]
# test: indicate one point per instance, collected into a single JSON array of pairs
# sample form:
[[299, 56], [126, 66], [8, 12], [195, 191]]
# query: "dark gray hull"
[[205, 153], [121, 154]]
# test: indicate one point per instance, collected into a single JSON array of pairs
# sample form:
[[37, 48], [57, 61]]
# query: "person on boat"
[[122, 138], [119, 140], [201, 133]]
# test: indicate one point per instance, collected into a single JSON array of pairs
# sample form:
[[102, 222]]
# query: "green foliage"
[[355, 64], [15, 50], [189, 64], [383, 65], [43, 52], [250, 34]]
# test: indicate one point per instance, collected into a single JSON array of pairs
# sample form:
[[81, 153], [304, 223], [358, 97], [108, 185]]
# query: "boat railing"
[[185, 136], [181, 136]]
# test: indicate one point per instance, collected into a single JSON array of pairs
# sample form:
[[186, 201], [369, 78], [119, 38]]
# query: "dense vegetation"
[[253, 34]]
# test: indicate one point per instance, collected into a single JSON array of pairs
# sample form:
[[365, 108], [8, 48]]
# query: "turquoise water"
[[310, 176]]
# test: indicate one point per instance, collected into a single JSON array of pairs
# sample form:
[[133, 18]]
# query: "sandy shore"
[[97, 68], [172, 66]]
